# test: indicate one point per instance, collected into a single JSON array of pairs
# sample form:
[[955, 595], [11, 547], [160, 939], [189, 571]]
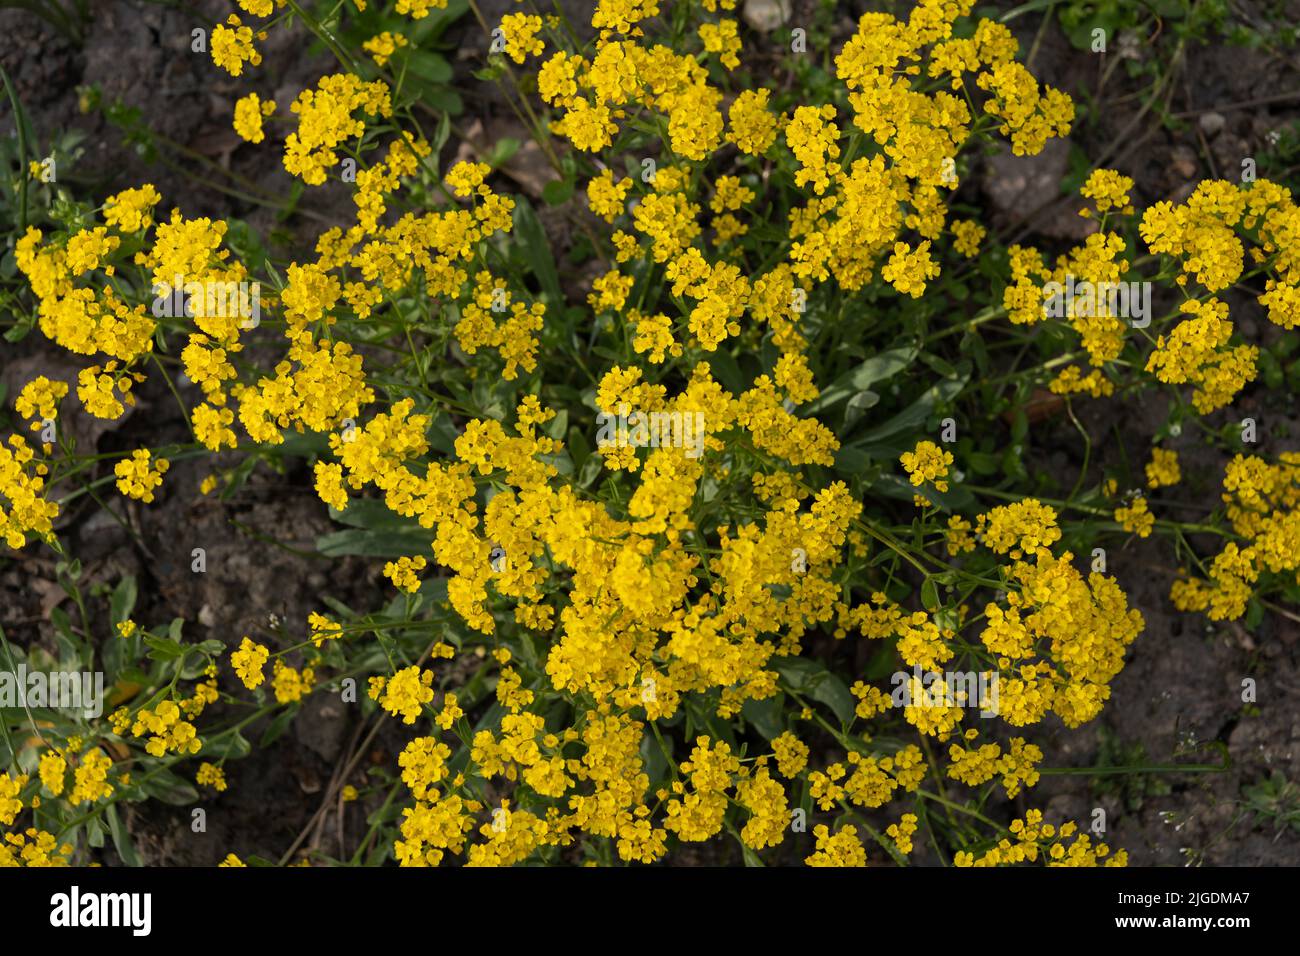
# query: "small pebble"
[[766, 15], [1212, 124]]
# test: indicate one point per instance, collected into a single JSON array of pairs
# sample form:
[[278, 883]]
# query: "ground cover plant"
[[700, 471]]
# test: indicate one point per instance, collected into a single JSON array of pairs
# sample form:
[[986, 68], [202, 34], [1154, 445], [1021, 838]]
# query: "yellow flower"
[[750, 126], [607, 197], [1023, 526], [844, 849], [927, 462], [210, 775], [520, 33], [404, 573], [908, 269], [288, 684], [1135, 517], [39, 399], [791, 754], [406, 693], [137, 477], [1163, 470], [958, 538], [53, 772], [90, 779], [249, 660], [417, 9], [249, 111], [383, 46], [131, 210], [901, 832], [232, 46], [322, 628], [722, 38], [1108, 190], [22, 485], [326, 120], [968, 236], [1029, 117]]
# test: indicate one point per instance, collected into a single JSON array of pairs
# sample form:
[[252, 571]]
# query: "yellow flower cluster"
[[404, 572], [1059, 641], [165, 728], [249, 660], [232, 45], [1136, 517], [927, 462], [1263, 505], [1108, 190], [382, 46], [39, 400], [679, 570], [138, 476], [250, 110], [23, 508], [326, 120], [210, 775], [33, 847], [1031, 837]]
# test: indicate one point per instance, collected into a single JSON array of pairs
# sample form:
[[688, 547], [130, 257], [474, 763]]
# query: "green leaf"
[[169, 788], [944, 368], [122, 603], [982, 463], [19, 331], [374, 544], [652, 759], [851, 461], [765, 716], [69, 646], [878, 368], [502, 151], [557, 192], [431, 27], [278, 726], [443, 100], [857, 406], [226, 746], [163, 648], [930, 595], [370, 514], [727, 371], [894, 486], [536, 249], [882, 663], [121, 838], [810, 677], [915, 414], [429, 67], [1270, 370], [1254, 615]]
